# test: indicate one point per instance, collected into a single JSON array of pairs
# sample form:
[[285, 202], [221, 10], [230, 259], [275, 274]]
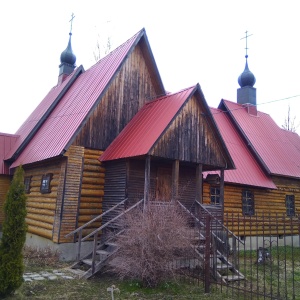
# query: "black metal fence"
[[255, 257]]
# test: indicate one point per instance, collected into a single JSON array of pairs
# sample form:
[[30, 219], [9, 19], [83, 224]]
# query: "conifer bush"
[[13, 236]]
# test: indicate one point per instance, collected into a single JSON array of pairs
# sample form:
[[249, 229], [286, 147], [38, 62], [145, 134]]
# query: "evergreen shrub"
[[14, 235]]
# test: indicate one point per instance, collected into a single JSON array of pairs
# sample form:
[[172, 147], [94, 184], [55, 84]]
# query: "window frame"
[[215, 198], [290, 210], [45, 187], [248, 206], [27, 184]]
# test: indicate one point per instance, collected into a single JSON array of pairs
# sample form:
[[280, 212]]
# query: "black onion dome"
[[246, 78], [67, 56]]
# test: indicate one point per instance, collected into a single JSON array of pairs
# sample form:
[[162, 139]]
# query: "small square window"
[[248, 203], [27, 181], [45, 183], [215, 195], [290, 205]]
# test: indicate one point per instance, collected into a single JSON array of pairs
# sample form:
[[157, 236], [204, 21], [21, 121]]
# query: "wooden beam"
[[199, 184], [175, 180], [147, 180]]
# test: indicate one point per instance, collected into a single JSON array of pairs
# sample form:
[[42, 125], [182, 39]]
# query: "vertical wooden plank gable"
[[127, 93], [190, 138]]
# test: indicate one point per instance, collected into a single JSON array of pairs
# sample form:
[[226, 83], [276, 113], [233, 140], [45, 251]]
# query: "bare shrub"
[[153, 240], [41, 257]]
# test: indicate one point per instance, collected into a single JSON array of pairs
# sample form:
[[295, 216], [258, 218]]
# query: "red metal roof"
[[276, 148], [145, 128], [248, 171], [7, 142], [55, 133]]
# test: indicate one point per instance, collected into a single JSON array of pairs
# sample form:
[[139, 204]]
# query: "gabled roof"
[[51, 128], [142, 133], [276, 149], [248, 171], [7, 142]]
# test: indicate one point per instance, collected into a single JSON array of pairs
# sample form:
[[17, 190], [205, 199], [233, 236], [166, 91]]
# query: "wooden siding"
[[4, 186], [41, 208], [136, 180], [71, 196], [187, 185], [190, 138], [92, 189], [266, 201], [127, 93], [115, 186]]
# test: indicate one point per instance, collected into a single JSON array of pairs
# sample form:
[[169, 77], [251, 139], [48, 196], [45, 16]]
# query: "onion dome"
[[67, 56], [246, 78]]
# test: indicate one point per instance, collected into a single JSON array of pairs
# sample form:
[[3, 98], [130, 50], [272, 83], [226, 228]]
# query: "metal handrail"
[[95, 219], [112, 220], [220, 223]]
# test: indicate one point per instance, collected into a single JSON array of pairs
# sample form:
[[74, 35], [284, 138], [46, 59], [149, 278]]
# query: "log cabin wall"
[[41, 208], [4, 186], [127, 93], [71, 194], [266, 201], [190, 138], [92, 189]]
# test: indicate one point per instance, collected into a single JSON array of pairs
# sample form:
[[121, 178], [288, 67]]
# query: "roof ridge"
[[167, 95]]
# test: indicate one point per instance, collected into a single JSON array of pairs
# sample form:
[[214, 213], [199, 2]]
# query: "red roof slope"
[[7, 142], [31, 122], [276, 148], [141, 133], [248, 171], [58, 129]]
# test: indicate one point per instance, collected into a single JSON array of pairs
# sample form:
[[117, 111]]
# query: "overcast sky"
[[192, 42]]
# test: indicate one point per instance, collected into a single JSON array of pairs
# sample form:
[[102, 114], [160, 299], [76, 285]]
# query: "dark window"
[[248, 203], [45, 183], [290, 205], [215, 195], [27, 181]]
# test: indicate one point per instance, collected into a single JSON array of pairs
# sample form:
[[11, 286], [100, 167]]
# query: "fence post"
[[79, 245], [207, 253], [234, 252]]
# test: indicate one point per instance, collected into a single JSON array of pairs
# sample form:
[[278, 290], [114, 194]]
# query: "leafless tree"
[[101, 49], [154, 239], [290, 122]]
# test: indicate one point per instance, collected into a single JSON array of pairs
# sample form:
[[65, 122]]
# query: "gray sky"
[[192, 41]]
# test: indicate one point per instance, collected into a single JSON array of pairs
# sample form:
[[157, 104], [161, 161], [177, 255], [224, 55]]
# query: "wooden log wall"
[[71, 193], [41, 208], [266, 202], [4, 186], [92, 189]]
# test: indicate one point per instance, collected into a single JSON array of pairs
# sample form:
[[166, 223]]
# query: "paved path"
[[45, 275]]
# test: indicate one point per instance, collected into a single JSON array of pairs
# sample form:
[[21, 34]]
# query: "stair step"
[[113, 244], [103, 252], [233, 277], [224, 267], [87, 261]]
